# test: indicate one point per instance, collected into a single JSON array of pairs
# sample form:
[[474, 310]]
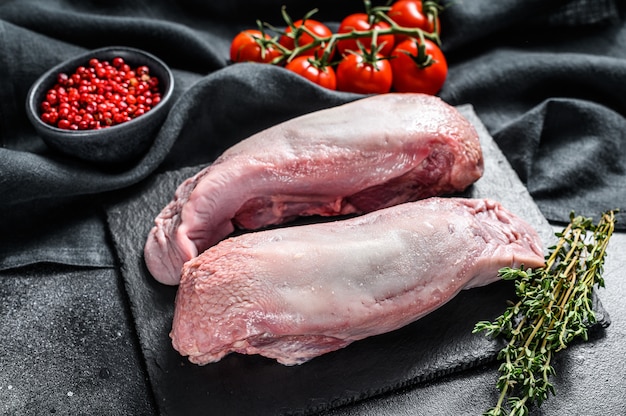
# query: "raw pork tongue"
[[298, 292], [373, 153]]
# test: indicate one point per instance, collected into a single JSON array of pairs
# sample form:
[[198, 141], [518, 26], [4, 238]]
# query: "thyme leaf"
[[554, 307]]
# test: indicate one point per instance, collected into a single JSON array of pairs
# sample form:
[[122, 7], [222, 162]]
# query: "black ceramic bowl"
[[116, 144]]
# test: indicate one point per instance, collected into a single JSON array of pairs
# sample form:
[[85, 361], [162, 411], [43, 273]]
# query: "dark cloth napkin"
[[547, 78]]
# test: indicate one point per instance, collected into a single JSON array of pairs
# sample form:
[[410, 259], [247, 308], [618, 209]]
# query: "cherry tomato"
[[359, 22], [356, 74], [410, 13], [314, 26], [409, 76], [321, 75], [245, 48]]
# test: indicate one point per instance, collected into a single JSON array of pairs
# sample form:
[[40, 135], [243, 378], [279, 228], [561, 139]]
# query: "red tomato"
[[411, 76], [245, 48], [321, 75], [359, 22], [318, 28], [410, 13], [355, 74]]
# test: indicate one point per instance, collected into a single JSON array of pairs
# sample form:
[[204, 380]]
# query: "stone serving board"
[[438, 344]]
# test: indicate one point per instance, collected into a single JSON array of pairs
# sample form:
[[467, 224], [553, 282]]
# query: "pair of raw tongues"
[[298, 292]]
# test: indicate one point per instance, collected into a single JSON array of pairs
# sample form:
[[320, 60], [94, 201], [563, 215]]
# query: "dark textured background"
[[547, 78]]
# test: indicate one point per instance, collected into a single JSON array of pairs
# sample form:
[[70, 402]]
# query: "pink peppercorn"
[[100, 95]]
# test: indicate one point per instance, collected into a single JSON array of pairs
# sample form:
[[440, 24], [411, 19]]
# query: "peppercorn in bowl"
[[104, 106]]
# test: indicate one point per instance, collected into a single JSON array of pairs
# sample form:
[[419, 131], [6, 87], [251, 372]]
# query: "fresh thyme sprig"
[[554, 308]]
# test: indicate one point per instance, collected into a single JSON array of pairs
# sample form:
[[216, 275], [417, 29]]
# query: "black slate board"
[[438, 344]]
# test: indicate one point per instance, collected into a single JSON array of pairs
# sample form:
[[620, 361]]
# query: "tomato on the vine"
[[410, 13], [360, 22], [318, 28], [407, 58], [359, 74], [414, 71], [306, 67], [245, 48]]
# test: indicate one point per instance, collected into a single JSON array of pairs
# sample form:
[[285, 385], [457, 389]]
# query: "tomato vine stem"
[[329, 42]]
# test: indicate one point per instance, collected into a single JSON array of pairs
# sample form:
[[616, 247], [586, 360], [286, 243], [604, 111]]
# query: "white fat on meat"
[[295, 293], [358, 157]]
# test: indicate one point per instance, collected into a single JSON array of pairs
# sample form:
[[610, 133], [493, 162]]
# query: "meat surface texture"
[[362, 156], [295, 293]]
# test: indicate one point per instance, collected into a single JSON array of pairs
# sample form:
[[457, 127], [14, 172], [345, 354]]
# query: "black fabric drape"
[[546, 77]]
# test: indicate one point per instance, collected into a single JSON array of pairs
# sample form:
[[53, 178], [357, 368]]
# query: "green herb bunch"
[[554, 308]]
